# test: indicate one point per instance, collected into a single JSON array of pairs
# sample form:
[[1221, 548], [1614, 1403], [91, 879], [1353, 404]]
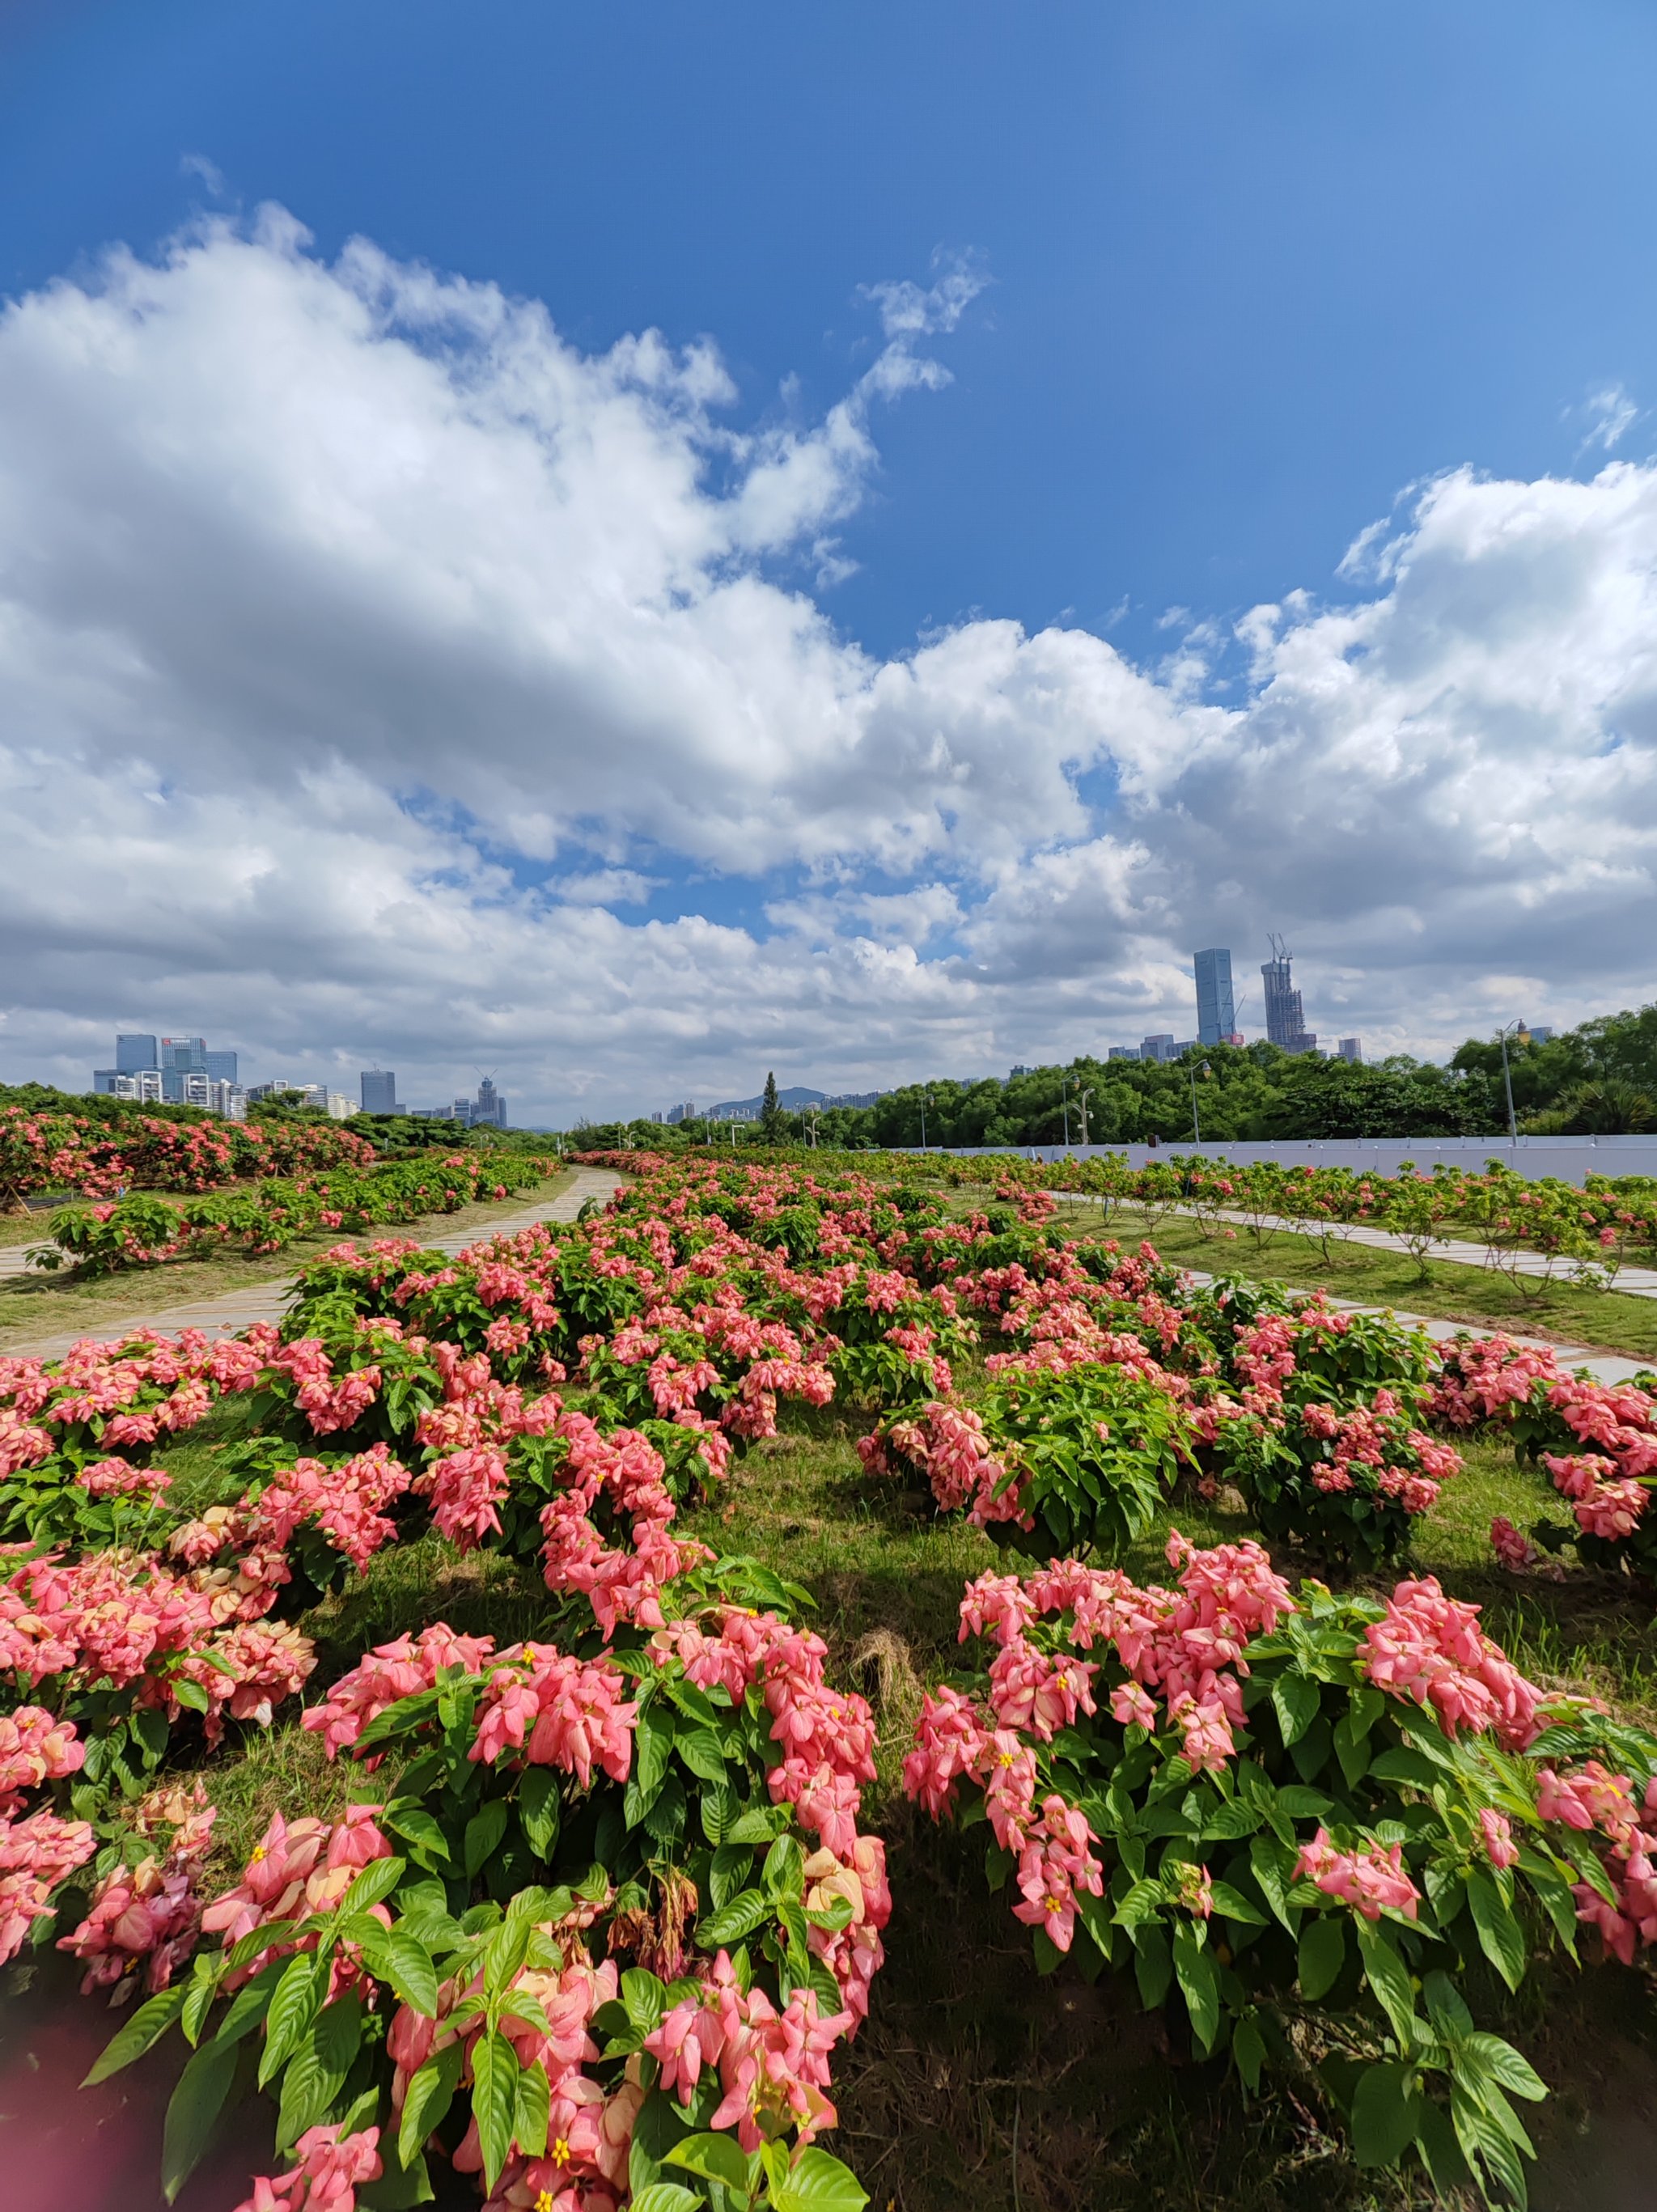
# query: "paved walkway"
[[228, 1315], [1635, 1282]]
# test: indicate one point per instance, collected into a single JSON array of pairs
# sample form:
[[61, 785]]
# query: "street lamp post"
[[1082, 1102], [1196, 1126], [925, 1101], [1506, 1078]]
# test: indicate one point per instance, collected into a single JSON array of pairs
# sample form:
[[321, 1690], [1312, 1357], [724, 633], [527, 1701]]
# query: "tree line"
[[1600, 1079]]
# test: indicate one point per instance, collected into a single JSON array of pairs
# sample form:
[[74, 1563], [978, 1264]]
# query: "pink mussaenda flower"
[[1369, 1878]]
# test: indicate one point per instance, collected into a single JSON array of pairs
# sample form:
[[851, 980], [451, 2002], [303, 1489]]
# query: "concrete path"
[[1603, 1366], [228, 1315], [1635, 1282]]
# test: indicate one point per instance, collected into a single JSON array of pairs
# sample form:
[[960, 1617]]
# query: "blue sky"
[[1252, 274]]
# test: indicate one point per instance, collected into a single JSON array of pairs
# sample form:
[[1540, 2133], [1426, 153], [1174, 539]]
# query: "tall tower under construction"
[[1285, 1021]]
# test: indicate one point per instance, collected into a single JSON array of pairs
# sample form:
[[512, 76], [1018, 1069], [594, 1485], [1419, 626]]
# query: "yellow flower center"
[[560, 2156], [1004, 1759], [543, 2200], [259, 1853]]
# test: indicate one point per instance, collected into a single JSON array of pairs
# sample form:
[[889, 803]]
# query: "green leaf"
[[666, 2197], [1235, 1905], [819, 2183], [192, 2111], [483, 1835], [1386, 2114], [735, 1920], [530, 2110], [653, 1739], [1295, 1700], [151, 2022], [1515, 2073], [295, 2003], [1322, 1955], [416, 1826], [317, 2071], [374, 1884], [199, 1993], [701, 1752], [1499, 1935], [1199, 1986], [410, 1971], [495, 2101], [1248, 2049], [714, 2158], [1387, 1976], [1271, 1862], [429, 2097], [1446, 2006], [538, 1809]]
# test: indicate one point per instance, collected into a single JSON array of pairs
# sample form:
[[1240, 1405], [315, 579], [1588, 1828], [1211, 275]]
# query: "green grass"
[[1598, 1321], [36, 1306]]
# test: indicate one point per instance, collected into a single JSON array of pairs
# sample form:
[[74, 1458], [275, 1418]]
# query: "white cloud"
[[339, 604], [1611, 413], [606, 887]]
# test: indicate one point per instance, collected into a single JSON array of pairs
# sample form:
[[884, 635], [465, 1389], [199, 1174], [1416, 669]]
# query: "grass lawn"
[[1600, 1321], [975, 2083], [42, 1305]]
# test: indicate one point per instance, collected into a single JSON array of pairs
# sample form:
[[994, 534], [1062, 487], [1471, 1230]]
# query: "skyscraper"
[[1285, 1021], [491, 1107], [1217, 1010], [187, 1054], [221, 1067], [133, 1053], [378, 1090]]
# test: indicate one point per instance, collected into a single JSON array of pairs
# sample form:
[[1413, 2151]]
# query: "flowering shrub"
[[98, 1158], [1597, 1440], [1264, 1802], [604, 1931], [140, 1231], [1051, 1461]]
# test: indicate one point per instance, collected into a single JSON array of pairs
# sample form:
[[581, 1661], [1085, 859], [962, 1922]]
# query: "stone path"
[[232, 1311]]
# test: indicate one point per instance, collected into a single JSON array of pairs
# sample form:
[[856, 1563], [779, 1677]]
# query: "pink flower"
[[1369, 1878]]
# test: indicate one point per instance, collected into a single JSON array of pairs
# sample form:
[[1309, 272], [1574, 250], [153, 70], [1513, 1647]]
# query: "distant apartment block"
[[135, 1054], [1124, 1052], [1350, 1048], [676, 1114], [378, 1086], [1217, 1005]]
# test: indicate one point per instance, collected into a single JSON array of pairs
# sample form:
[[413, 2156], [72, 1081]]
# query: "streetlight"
[[925, 1101], [1502, 1037], [1195, 1127], [1082, 1102]]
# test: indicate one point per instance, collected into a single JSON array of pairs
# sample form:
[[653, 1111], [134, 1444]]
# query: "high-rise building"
[[221, 1067], [1158, 1048], [1349, 1048], [378, 1088], [491, 1107], [1217, 1009], [187, 1054], [133, 1052], [687, 1112], [1124, 1052], [1285, 1020]]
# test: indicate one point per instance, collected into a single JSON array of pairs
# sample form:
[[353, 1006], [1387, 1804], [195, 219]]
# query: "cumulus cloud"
[[364, 644]]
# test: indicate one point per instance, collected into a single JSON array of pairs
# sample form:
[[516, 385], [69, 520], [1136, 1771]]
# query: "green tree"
[[773, 1121]]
